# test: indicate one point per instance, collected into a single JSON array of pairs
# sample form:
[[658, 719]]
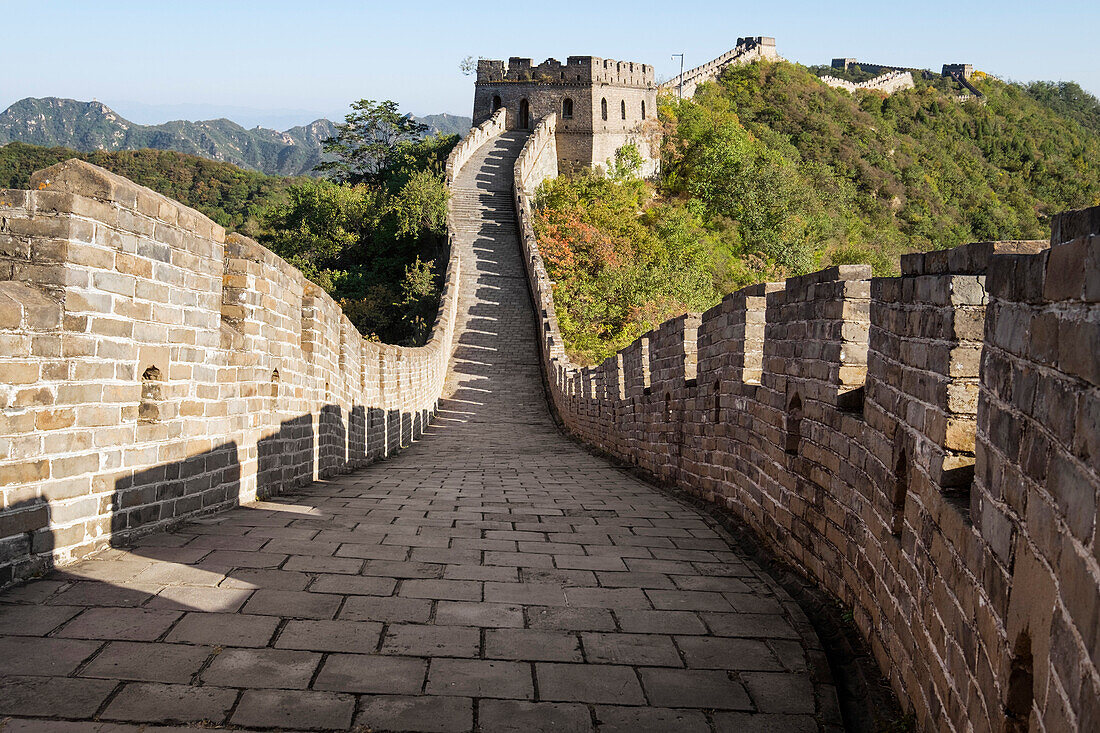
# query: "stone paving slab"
[[493, 577]]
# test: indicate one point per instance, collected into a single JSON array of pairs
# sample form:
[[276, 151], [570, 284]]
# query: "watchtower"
[[963, 70], [601, 104]]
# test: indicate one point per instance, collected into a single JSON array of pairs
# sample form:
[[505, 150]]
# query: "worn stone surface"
[[493, 569]]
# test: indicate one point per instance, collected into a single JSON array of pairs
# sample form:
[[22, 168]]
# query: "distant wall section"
[[746, 51]]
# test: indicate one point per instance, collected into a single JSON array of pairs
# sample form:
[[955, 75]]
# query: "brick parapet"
[[746, 51], [154, 368], [576, 69], [939, 475], [888, 83]]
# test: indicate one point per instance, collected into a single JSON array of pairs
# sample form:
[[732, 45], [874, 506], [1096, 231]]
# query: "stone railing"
[[925, 448], [154, 368], [477, 137], [533, 166], [888, 83]]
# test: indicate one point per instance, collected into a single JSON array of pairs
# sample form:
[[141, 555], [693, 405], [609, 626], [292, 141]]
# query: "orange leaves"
[[570, 245]]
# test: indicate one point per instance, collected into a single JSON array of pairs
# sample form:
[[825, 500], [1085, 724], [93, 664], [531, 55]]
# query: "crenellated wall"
[[153, 368], [888, 83], [600, 105], [746, 51], [924, 447]]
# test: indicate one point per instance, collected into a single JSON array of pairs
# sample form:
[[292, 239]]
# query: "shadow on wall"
[[27, 545], [212, 481], [201, 483]]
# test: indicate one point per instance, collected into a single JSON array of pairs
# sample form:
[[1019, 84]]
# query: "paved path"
[[492, 577]]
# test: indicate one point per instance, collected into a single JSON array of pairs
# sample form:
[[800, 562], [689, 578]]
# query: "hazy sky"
[[281, 63]]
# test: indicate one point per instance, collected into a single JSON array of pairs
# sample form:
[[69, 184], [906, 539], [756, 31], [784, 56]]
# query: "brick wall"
[[153, 368], [746, 51], [924, 447], [888, 83]]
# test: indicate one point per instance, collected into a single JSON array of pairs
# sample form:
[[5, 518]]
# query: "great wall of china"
[[746, 51], [925, 447], [155, 368], [888, 83]]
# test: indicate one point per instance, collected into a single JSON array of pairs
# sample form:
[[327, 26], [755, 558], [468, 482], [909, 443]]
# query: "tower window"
[[567, 109], [603, 109], [643, 109], [497, 104], [622, 108]]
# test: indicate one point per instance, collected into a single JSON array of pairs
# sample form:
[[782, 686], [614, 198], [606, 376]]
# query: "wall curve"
[[922, 447], [888, 83], [153, 368], [746, 51]]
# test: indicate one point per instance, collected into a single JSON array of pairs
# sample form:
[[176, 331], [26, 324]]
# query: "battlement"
[[922, 446], [576, 70], [599, 105], [747, 50], [963, 70], [888, 83], [154, 368]]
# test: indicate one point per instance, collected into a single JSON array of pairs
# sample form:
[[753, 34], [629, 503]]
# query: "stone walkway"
[[492, 577]]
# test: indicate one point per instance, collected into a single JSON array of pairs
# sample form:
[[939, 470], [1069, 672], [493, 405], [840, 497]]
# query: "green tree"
[[368, 142], [767, 172]]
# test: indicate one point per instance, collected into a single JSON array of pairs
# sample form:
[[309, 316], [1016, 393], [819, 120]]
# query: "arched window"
[[524, 115], [497, 104], [567, 109], [622, 108], [794, 425], [643, 109], [152, 395], [603, 109], [897, 499]]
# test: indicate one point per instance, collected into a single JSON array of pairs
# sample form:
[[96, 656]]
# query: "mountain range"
[[91, 126]]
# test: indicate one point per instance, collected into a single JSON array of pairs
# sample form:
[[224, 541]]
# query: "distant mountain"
[[445, 124], [91, 126]]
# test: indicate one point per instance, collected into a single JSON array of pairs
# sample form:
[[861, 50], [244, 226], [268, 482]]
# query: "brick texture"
[[923, 447], [154, 368]]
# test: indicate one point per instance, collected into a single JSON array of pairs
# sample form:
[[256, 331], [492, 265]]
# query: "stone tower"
[[601, 105]]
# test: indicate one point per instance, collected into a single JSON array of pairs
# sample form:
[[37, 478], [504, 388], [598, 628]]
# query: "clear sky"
[[280, 63]]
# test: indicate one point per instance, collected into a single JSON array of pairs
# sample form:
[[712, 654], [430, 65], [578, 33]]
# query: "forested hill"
[[768, 172], [866, 176], [89, 126]]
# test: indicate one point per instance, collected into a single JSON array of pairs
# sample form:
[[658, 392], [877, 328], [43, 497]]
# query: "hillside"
[[768, 172], [89, 126]]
